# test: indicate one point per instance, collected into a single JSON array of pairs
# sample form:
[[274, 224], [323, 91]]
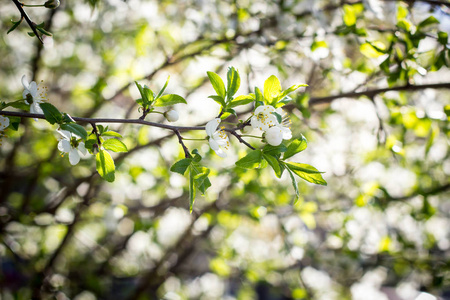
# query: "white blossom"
[[33, 95], [218, 139], [276, 134], [263, 117], [69, 143]]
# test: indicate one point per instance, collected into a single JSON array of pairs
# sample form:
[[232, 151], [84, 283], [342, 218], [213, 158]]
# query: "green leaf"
[[51, 113], [318, 44], [31, 34], [15, 25], [200, 174], [402, 12], [218, 99], [278, 116], [275, 164], [427, 22], [67, 118], [181, 166], [105, 165], [295, 147], [14, 122], [443, 37], [43, 31], [115, 145], [291, 89], [294, 184], [447, 110], [191, 191], [112, 133], [197, 157], [169, 99], [76, 129], [251, 161], [272, 90], [148, 96], [89, 144], [372, 49], [164, 88], [349, 16], [405, 25], [233, 82], [307, 172], [258, 95], [217, 84], [241, 100], [274, 150], [20, 104]]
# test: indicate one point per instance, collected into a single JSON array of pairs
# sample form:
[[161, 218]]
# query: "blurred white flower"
[[4, 122], [218, 139], [425, 296], [171, 115], [72, 145], [33, 95]]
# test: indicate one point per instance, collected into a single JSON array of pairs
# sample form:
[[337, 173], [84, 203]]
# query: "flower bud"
[[274, 136], [171, 115], [52, 4]]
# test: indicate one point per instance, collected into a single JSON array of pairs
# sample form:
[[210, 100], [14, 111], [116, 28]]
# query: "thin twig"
[[240, 139], [180, 140], [25, 16]]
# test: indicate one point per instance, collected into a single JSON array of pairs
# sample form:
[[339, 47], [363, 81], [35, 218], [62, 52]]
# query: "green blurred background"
[[375, 115]]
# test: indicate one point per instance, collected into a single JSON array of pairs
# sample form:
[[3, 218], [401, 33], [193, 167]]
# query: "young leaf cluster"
[[197, 175], [149, 100], [100, 140], [276, 156]]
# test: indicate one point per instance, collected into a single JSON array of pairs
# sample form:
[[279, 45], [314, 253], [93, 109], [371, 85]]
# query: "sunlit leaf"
[[115, 145], [272, 89], [105, 165], [169, 99], [217, 84]]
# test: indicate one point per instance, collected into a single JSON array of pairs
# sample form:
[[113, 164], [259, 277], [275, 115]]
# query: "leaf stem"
[[186, 139]]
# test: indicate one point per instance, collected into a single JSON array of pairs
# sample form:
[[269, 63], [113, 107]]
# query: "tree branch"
[[370, 93]]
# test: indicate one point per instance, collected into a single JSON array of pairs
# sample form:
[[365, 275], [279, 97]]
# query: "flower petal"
[[211, 126], [33, 89], [36, 109], [274, 136], [287, 134], [82, 148], [64, 146], [65, 134], [213, 144], [74, 157], [25, 83], [220, 152]]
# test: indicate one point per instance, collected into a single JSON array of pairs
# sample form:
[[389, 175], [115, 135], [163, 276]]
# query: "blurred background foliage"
[[375, 115]]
